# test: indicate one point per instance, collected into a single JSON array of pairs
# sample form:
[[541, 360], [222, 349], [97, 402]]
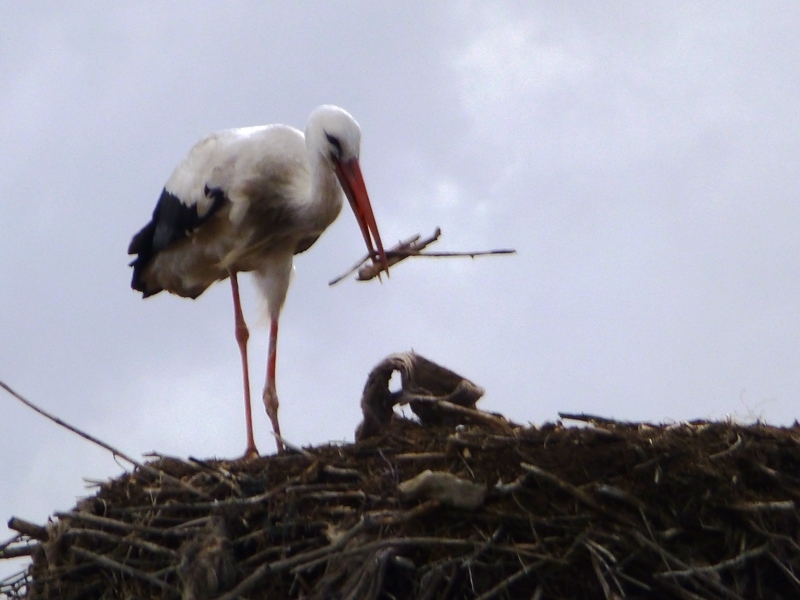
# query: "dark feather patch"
[[172, 221], [334, 141]]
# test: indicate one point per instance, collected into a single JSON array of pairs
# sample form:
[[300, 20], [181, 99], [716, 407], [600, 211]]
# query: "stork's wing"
[[253, 173], [172, 220]]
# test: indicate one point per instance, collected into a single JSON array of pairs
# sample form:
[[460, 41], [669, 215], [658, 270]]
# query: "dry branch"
[[779, 505], [18, 551], [144, 467], [31, 530], [725, 564], [404, 249]]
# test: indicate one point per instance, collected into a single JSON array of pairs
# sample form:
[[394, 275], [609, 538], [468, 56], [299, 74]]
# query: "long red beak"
[[349, 175]]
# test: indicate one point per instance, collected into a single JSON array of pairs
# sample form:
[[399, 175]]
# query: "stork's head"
[[335, 135]]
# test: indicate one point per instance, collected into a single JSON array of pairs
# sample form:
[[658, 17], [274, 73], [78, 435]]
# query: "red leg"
[[270, 391], [242, 335]]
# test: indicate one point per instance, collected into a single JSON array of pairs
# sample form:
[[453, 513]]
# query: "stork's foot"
[[271, 404], [251, 453]]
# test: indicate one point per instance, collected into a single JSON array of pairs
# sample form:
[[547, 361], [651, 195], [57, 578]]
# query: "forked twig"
[[412, 246], [401, 244]]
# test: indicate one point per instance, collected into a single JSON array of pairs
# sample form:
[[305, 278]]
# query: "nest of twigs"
[[471, 506]]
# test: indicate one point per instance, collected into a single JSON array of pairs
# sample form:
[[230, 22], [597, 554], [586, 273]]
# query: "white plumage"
[[249, 199]]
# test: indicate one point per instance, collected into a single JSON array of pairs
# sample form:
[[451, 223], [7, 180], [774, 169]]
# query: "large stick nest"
[[462, 504]]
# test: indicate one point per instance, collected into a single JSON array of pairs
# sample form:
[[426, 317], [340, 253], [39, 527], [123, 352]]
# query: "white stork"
[[249, 200]]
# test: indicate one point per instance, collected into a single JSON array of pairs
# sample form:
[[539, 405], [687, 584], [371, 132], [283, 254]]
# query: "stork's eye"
[[334, 141]]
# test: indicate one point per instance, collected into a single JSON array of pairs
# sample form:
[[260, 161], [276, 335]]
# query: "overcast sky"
[[643, 161]]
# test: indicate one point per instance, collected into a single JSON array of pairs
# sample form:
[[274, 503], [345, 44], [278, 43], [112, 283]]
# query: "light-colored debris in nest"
[[448, 489]]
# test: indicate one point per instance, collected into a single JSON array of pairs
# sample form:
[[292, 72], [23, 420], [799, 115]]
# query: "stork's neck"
[[326, 194]]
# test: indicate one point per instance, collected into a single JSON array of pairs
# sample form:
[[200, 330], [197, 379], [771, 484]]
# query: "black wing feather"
[[172, 221]]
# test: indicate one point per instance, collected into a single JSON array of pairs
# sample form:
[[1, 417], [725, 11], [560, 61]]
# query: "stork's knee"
[[242, 333], [271, 403]]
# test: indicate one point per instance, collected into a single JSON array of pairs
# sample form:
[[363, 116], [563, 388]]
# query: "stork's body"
[[249, 200]]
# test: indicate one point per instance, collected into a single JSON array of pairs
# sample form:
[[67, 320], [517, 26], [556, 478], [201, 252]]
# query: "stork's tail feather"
[[142, 246]]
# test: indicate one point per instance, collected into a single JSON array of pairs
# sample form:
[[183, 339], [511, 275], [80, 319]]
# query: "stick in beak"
[[349, 175]]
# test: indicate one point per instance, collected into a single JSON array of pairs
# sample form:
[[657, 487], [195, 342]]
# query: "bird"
[[248, 200]]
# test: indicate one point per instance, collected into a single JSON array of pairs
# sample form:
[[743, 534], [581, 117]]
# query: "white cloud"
[[510, 66]]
